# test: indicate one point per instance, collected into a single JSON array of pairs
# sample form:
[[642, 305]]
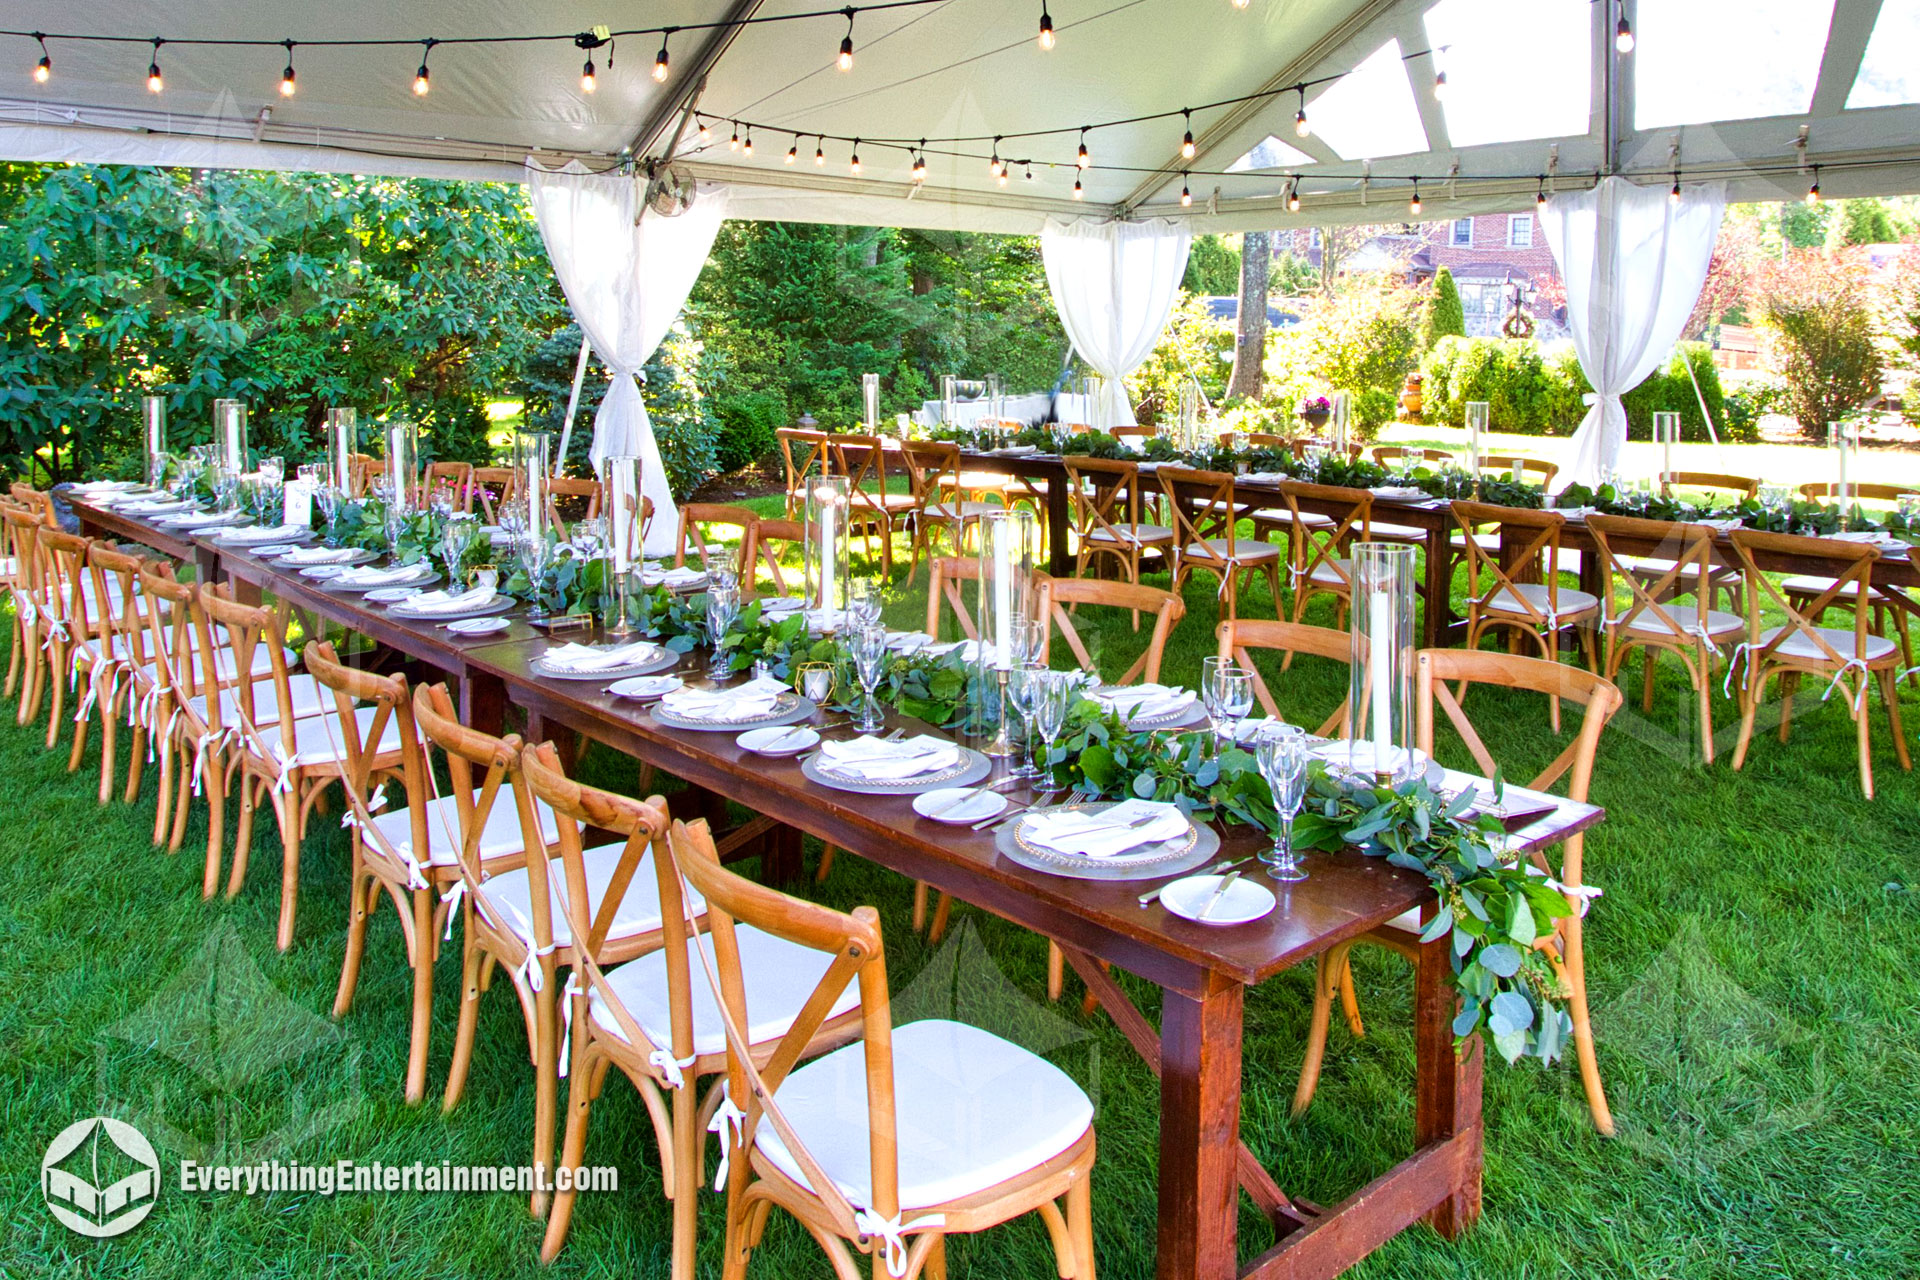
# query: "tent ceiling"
[[972, 67]]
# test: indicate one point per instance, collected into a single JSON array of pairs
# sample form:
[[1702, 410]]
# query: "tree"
[[1820, 335], [1361, 339], [1857, 222], [1724, 294], [1213, 267], [1803, 225], [1338, 244], [1250, 343], [1446, 317]]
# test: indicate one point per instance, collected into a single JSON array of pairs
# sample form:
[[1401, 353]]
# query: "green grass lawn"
[[1755, 1005]]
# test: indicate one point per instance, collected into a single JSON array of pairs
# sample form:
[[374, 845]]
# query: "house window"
[[1520, 231], [1462, 233], [1313, 239]]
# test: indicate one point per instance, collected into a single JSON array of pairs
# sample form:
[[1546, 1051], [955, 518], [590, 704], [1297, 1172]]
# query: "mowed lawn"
[[1757, 1010]]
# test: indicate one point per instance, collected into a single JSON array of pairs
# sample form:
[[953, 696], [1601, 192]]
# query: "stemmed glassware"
[[723, 606], [455, 537], [536, 554], [863, 601], [396, 529], [1282, 755], [1233, 700], [513, 519], [1025, 684], [869, 645], [1051, 702]]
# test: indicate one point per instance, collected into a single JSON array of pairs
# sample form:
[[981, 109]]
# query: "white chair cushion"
[[779, 977], [1132, 533], [1282, 516], [309, 699], [1396, 533], [1332, 573], [500, 838], [1244, 549], [226, 667], [1486, 541], [1508, 600], [321, 740], [972, 1111], [511, 892], [966, 510], [1719, 621], [1800, 645], [1815, 586]]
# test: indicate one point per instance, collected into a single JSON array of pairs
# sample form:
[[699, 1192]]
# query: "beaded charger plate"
[[972, 767], [1147, 862], [406, 609], [662, 659], [788, 708], [425, 576]]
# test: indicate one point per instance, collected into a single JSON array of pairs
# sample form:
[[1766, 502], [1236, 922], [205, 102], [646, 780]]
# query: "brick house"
[[1486, 253]]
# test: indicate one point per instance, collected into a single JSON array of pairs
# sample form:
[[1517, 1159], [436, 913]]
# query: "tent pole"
[[573, 402], [1704, 415]]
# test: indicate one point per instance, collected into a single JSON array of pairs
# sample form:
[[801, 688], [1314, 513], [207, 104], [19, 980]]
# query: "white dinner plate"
[[645, 686], [1242, 902], [479, 626], [946, 804], [790, 741], [392, 595]]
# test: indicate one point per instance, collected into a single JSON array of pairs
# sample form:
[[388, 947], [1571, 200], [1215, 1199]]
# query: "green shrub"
[[1360, 340], [1446, 317], [747, 420], [1747, 403], [1528, 393]]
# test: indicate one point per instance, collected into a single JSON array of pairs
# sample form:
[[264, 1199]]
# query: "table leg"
[[1437, 621], [1059, 514], [1447, 1085], [483, 702], [1199, 1134], [565, 741]]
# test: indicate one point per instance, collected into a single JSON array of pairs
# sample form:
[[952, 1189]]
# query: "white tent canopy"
[[1753, 92]]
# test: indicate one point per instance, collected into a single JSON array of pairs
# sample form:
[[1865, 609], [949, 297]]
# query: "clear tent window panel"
[[1370, 112], [1890, 73], [1698, 61], [1516, 69], [1270, 153]]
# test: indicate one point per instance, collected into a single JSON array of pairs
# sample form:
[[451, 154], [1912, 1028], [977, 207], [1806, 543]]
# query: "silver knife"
[[1219, 893], [1148, 898]]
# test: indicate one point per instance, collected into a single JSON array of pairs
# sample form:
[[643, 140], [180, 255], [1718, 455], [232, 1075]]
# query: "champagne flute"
[[1024, 686], [863, 601], [1234, 697], [455, 537], [1051, 704], [869, 664], [1282, 755], [536, 554]]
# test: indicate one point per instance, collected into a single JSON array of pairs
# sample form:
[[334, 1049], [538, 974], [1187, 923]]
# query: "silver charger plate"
[[346, 588], [666, 661], [1194, 716], [800, 710], [499, 604], [358, 555], [973, 767], [1150, 862]]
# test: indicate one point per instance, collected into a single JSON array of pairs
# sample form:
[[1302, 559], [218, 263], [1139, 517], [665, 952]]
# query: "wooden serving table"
[[1203, 972]]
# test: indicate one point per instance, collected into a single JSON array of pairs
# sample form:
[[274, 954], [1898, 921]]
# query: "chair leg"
[[1751, 687], [942, 909], [1646, 680], [361, 899], [1575, 965], [137, 741], [687, 1139], [79, 750], [422, 1029], [546, 1079], [109, 741], [573, 1147], [1789, 683], [15, 663], [469, 1019], [920, 891], [826, 866], [1080, 1225], [1703, 690], [214, 778], [1326, 980], [1889, 689], [57, 680], [1863, 724], [286, 809], [1056, 971]]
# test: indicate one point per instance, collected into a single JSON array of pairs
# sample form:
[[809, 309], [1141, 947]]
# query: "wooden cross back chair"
[[1106, 515], [652, 1016], [1655, 620], [1851, 659], [68, 622], [1388, 454], [14, 580], [1522, 468], [944, 589], [1435, 670], [454, 476], [1240, 637], [1317, 565], [1738, 488], [124, 646], [1801, 589], [1059, 598], [933, 470], [767, 538], [694, 515], [1207, 538], [993, 1132], [574, 491], [803, 454], [874, 511], [1509, 601], [33, 616], [493, 487]]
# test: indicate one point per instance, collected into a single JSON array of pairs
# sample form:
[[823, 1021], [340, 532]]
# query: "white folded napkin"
[[443, 601], [105, 486], [264, 533], [207, 520], [908, 641], [682, 577], [757, 697], [1147, 701], [154, 507], [967, 649], [392, 576], [320, 555], [781, 605], [1104, 834], [582, 657], [872, 760]]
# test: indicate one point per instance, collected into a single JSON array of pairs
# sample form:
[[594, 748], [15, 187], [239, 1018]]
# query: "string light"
[[661, 62], [43, 69], [154, 83], [1079, 192], [1300, 117], [706, 134], [793, 152], [1623, 34], [286, 77], [1187, 149], [733, 143], [422, 80], [1046, 26], [1540, 196], [1440, 84], [846, 43], [1674, 195], [919, 168], [746, 148], [1084, 159], [1413, 205], [820, 152], [1029, 173], [1813, 192], [1186, 196], [855, 166], [1241, 4], [1293, 196], [995, 165], [587, 81]]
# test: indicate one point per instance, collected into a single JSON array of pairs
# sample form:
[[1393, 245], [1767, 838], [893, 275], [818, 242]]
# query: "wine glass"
[[1050, 706], [1210, 668], [1029, 639], [1025, 683], [869, 646], [536, 554], [1234, 698], [723, 606], [273, 470], [863, 601], [1282, 755], [455, 537]]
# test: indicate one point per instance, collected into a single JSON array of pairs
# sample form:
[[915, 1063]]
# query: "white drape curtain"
[[1114, 285], [626, 276], [1634, 260]]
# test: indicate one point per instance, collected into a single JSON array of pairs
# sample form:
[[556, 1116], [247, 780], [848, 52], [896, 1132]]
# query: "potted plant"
[[1315, 411]]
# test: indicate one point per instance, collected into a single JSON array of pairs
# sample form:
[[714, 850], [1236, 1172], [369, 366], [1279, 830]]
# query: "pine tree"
[[1446, 317]]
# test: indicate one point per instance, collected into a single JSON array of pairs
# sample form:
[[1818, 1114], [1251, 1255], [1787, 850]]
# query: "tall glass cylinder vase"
[[1666, 434], [1380, 689], [949, 402], [1007, 541], [403, 462], [870, 401], [342, 435], [532, 467], [1189, 426], [1844, 439], [153, 414], [620, 479], [230, 434], [828, 564], [1477, 411], [1338, 422]]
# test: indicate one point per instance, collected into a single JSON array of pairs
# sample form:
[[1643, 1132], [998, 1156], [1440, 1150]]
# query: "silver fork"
[[1032, 806]]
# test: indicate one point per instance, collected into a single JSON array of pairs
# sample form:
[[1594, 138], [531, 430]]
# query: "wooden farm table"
[[101, 520], [1203, 972]]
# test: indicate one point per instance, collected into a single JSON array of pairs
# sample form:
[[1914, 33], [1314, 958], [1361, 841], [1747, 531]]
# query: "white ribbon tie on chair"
[[1859, 700], [730, 1122], [891, 1231]]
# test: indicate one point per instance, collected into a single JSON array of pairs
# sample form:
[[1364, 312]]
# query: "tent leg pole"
[[573, 402]]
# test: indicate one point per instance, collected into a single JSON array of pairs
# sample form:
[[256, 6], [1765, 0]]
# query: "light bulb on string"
[[588, 82], [706, 133], [1029, 173], [820, 153], [1293, 196], [1813, 192], [1186, 196], [1084, 160], [1300, 128], [793, 152], [287, 77], [1440, 84], [855, 164], [1079, 192], [1046, 27], [1187, 147], [154, 83], [1674, 195], [1540, 196], [43, 69], [746, 148], [994, 165], [733, 143], [1413, 205], [423, 79], [846, 43], [919, 168], [1623, 35], [662, 63]]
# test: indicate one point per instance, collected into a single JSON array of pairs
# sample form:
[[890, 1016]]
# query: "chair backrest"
[[64, 570], [1213, 516], [457, 476], [116, 582], [1538, 540], [1525, 468], [1848, 564], [1389, 453], [38, 501], [1858, 492], [1742, 487], [695, 514], [933, 469], [948, 573], [1057, 595], [571, 488], [855, 943], [863, 460], [803, 453], [243, 629], [360, 470], [1689, 548], [1268, 440], [391, 700], [1105, 493], [1239, 637], [24, 528], [1133, 433], [766, 537], [171, 629], [493, 486], [1435, 670], [1312, 547]]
